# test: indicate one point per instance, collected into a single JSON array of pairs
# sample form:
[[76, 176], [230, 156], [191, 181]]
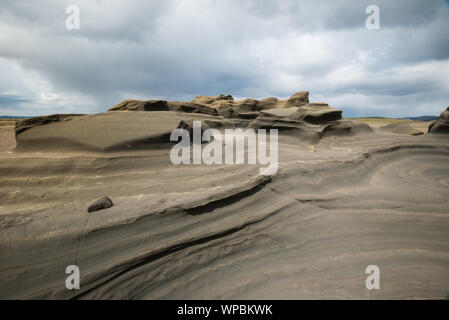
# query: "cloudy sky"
[[247, 48]]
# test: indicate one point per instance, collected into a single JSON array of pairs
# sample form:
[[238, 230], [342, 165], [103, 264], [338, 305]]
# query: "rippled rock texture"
[[345, 197]]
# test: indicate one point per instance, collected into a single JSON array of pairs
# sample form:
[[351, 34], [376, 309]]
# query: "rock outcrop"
[[442, 124], [245, 109]]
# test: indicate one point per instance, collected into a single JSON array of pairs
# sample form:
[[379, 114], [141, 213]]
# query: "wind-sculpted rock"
[[442, 124], [225, 106], [146, 124]]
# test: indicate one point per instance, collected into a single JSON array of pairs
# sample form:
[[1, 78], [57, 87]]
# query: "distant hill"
[[422, 118], [13, 117]]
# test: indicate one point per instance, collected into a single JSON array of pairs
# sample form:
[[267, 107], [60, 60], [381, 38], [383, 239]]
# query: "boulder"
[[100, 204]]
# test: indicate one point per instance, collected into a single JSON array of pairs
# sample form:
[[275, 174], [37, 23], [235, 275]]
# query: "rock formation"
[[442, 124], [136, 124], [221, 105]]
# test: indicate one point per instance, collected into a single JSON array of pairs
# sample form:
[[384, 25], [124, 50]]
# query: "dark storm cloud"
[[257, 48]]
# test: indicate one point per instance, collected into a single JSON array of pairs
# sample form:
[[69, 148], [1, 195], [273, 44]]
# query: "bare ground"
[[7, 139]]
